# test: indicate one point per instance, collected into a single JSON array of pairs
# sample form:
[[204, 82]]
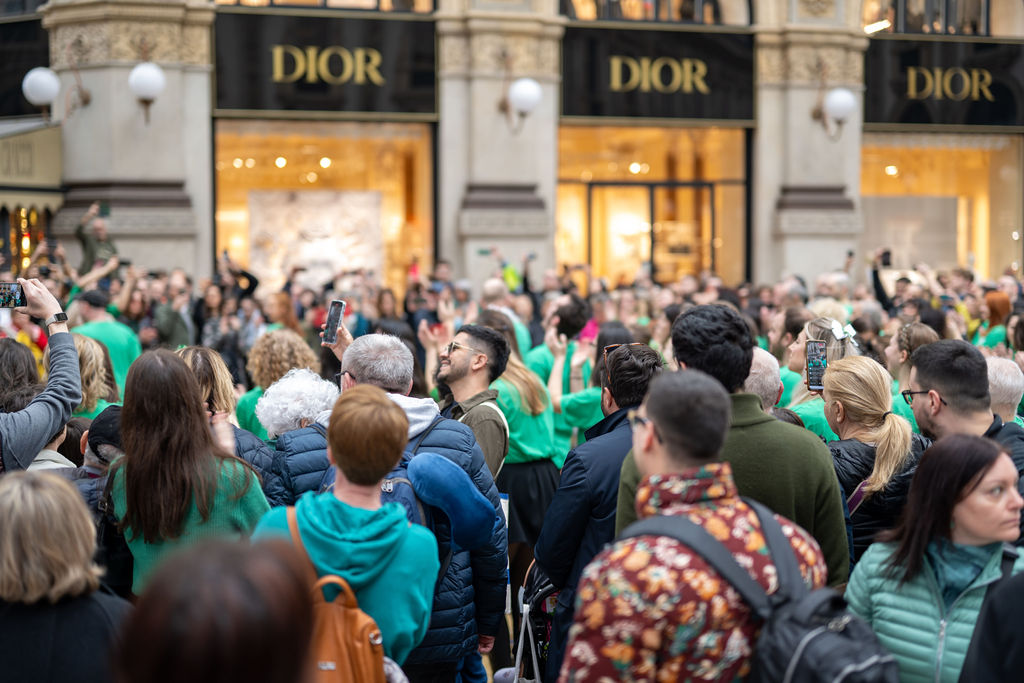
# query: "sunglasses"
[[611, 348], [452, 345]]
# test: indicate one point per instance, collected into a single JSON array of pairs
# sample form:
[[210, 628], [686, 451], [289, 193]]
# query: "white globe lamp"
[[147, 81], [41, 86], [524, 95], [840, 103]]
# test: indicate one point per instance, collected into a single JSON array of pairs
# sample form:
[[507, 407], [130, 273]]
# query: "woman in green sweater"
[[921, 588], [176, 485], [992, 332]]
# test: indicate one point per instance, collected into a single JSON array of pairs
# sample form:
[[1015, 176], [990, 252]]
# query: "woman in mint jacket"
[[921, 588]]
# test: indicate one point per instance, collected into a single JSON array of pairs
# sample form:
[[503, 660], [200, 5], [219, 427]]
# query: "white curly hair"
[[300, 395]]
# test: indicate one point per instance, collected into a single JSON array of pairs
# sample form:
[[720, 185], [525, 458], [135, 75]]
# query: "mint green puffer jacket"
[[911, 620]]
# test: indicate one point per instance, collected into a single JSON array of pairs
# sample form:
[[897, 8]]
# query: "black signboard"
[[952, 82], [23, 46], [280, 62], [638, 73]]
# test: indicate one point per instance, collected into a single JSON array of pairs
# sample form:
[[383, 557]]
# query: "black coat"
[[68, 641], [854, 461], [581, 519], [999, 633]]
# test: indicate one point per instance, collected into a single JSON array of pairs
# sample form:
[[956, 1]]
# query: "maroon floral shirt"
[[647, 609]]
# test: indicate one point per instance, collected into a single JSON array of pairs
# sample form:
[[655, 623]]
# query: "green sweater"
[[245, 411], [911, 620], [233, 514], [101, 405], [780, 465], [989, 339], [789, 381]]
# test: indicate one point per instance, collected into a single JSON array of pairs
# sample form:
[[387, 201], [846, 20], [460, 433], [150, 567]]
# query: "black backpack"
[[806, 636]]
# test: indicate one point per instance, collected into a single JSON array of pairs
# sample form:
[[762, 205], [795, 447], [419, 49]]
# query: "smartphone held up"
[[334, 315], [12, 295], [817, 362]]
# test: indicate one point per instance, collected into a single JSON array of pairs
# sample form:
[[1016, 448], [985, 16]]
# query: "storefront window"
[[665, 201], [26, 227], [324, 197], [732, 12], [960, 17], [11, 7], [424, 6], [946, 200]]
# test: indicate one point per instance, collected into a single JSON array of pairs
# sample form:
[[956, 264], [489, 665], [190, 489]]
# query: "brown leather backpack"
[[347, 646]]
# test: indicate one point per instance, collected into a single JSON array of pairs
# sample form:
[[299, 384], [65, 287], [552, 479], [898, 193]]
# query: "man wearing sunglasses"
[[468, 364]]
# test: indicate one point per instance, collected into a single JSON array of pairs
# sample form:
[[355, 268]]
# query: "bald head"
[[763, 379], [494, 291]]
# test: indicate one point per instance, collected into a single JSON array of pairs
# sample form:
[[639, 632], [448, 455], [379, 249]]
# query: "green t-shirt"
[[789, 380], [523, 337], [101, 405], [990, 339], [582, 409], [541, 360], [231, 516], [121, 342], [245, 411], [813, 414], [530, 437]]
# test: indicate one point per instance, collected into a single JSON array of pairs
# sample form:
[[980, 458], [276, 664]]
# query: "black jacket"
[[1011, 437], [999, 634], [266, 461], [854, 461], [581, 519], [68, 641]]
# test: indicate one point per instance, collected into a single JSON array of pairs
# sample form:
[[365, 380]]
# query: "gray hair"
[[300, 395], [1005, 382], [763, 379], [381, 360]]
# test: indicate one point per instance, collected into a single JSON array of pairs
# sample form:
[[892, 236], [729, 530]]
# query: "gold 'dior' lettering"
[[663, 74], [955, 84], [360, 66]]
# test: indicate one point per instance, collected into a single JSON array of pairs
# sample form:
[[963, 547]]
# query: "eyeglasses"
[[452, 345], [637, 419], [339, 375], [610, 348], [908, 396]]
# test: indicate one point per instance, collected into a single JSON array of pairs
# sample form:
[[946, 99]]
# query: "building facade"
[[672, 137]]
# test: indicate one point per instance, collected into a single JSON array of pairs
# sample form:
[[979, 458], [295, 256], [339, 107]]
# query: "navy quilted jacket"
[[264, 460], [302, 461]]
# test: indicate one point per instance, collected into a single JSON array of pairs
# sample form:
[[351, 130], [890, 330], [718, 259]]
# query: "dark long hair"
[[947, 473], [17, 365], [171, 457]]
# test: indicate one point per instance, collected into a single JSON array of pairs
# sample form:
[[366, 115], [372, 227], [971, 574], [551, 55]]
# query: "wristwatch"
[[60, 317]]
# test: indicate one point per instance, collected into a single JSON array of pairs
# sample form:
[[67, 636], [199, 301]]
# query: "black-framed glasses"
[[608, 349], [339, 375], [452, 345], [635, 418], [908, 396]]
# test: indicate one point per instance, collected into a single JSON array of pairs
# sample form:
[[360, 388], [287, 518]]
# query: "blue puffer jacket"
[[302, 461], [470, 597], [264, 460]]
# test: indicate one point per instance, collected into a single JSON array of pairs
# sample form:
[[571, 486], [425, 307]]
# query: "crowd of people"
[[180, 460]]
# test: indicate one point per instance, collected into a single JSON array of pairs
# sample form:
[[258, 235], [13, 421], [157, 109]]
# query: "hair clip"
[[837, 330]]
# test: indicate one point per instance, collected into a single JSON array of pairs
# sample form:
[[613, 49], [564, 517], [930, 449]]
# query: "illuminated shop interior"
[[369, 185], [377, 5], [26, 227], [947, 200], [632, 198]]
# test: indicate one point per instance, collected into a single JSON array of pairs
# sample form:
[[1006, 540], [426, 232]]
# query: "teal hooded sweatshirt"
[[390, 564]]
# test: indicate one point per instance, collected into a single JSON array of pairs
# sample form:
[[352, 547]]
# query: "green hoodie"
[[390, 565]]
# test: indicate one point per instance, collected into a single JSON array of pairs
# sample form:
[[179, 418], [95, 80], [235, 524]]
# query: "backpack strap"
[[791, 581], [436, 421], [293, 527], [493, 406], [714, 553]]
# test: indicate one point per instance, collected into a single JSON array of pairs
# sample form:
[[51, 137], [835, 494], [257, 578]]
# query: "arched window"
[[957, 17], [718, 12]]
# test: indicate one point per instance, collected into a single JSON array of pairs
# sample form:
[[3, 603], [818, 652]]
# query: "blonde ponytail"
[[862, 386]]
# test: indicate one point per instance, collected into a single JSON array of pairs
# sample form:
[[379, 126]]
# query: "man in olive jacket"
[[787, 468]]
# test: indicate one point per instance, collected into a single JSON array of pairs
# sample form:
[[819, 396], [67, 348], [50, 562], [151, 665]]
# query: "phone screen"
[[11, 295], [334, 314], [816, 364]]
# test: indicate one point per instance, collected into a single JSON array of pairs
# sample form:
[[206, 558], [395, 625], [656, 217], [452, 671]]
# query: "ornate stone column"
[[806, 181], [496, 185], [155, 176]]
